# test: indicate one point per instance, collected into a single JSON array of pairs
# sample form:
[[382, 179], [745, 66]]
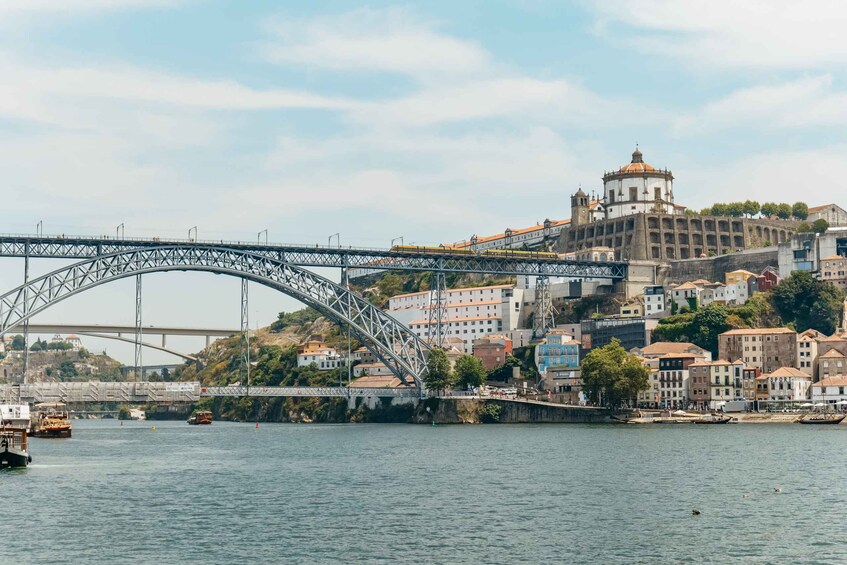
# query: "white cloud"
[[806, 102], [815, 175], [37, 93], [727, 33], [393, 40]]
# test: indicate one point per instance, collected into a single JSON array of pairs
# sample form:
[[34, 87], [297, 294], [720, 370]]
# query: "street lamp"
[[195, 233], [39, 228], [259, 236], [119, 231], [337, 237], [395, 239]]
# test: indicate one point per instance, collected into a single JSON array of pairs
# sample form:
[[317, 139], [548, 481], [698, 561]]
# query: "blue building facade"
[[558, 351]]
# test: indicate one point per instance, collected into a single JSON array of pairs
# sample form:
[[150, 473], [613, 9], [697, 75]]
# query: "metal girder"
[[326, 392], [393, 343], [139, 367], [544, 312], [80, 247], [93, 391], [438, 323]]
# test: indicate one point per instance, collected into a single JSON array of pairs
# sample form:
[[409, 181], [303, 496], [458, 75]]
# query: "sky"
[[428, 120]]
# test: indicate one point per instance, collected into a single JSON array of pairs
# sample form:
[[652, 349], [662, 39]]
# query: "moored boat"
[[51, 421], [13, 447], [15, 415], [203, 417], [822, 418], [713, 419]]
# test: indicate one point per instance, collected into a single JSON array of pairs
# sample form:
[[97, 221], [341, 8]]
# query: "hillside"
[[60, 366]]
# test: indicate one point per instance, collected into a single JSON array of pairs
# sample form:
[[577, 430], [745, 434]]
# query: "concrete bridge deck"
[[138, 392]]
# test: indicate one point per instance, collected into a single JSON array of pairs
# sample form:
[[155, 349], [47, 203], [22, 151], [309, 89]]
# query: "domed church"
[[638, 218]]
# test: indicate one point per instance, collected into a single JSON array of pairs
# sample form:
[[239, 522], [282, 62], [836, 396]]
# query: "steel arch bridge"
[[392, 342]]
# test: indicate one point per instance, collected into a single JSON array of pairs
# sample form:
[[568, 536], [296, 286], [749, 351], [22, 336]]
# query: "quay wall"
[[474, 411]]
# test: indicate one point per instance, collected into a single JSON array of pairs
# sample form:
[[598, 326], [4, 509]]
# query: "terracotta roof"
[[495, 237], [759, 331], [665, 347], [831, 338], [834, 258], [840, 380], [832, 354], [814, 209], [376, 381], [787, 372], [742, 272], [686, 286]]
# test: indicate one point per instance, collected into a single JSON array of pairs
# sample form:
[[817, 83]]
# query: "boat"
[[713, 419], [201, 418], [822, 418], [51, 421], [13, 447], [15, 415]]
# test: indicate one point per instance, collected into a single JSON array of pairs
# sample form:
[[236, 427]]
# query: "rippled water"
[[284, 493]]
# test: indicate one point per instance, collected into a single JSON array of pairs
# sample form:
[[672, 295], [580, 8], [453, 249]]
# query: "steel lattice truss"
[[392, 342], [305, 256]]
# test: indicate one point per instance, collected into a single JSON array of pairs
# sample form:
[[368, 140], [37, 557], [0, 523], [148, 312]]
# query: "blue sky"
[[430, 120]]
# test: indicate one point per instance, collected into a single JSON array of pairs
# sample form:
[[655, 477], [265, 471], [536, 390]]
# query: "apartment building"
[[767, 349]]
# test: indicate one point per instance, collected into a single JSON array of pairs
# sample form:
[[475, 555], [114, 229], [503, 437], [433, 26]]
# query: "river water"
[[288, 493]]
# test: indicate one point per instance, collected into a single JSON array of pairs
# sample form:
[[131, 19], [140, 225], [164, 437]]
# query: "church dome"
[[637, 165]]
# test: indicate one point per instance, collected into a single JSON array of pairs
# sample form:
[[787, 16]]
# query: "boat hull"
[[829, 421], [715, 421], [52, 433], [11, 458]]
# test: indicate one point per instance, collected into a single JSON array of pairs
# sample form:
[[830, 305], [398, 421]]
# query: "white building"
[[685, 295], [314, 350], [471, 312], [833, 214], [654, 301], [515, 238], [830, 391], [807, 350], [787, 384], [637, 188]]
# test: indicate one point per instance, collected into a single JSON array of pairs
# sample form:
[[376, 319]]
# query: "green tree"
[[438, 376], [783, 211], [800, 210], [166, 374], [769, 209], [735, 209], [706, 212], [752, 207], [707, 324], [37, 346], [819, 226], [470, 371], [18, 343], [804, 227], [612, 376], [719, 209], [805, 302]]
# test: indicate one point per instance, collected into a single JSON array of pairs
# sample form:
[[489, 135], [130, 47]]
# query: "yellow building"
[[735, 277]]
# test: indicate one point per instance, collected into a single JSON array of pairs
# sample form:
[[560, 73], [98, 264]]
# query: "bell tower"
[[579, 208]]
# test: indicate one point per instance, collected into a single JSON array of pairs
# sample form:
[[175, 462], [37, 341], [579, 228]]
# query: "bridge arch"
[[392, 342]]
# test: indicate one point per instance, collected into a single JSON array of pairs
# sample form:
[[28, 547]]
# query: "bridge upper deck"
[[81, 247]]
